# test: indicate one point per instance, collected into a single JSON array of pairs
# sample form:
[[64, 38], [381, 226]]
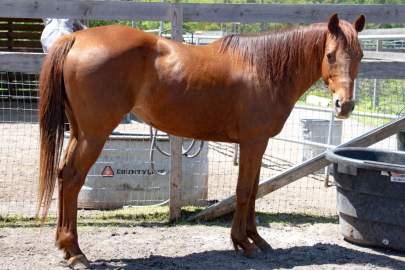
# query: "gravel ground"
[[196, 247]]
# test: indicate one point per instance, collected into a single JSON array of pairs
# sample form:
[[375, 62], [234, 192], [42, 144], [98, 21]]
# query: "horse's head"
[[340, 62]]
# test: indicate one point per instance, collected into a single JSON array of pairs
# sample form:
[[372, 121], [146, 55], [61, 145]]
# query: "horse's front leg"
[[251, 228], [249, 167], [81, 154]]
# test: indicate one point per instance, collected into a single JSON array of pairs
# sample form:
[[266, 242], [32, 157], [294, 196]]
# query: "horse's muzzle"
[[343, 109]]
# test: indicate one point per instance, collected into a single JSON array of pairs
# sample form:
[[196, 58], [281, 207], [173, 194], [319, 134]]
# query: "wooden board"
[[21, 62], [383, 31], [84, 9], [20, 44], [382, 65], [21, 20], [284, 13], [126, 10], [374, 65], [176, 13], [20, 34], [22, 27]]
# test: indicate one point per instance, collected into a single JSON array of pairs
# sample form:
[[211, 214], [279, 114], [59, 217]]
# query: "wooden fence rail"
[[381, 65], [244, 13]]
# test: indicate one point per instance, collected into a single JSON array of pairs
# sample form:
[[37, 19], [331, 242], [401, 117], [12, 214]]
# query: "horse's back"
[[94, 48]]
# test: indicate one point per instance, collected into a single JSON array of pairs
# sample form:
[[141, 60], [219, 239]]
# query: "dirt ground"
[[195, 247]]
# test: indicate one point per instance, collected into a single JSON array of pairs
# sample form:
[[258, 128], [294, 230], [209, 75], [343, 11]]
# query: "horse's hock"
[[123, 175]]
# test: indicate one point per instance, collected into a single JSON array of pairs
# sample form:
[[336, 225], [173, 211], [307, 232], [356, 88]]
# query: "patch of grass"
[[122, 217], [23, 221], [265, 219], [159, 216]]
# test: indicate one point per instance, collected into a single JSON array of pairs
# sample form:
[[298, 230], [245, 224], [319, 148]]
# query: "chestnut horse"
[[239, 89]]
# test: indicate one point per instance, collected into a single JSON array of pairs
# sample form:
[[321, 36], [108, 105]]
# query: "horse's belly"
[[187, 120]]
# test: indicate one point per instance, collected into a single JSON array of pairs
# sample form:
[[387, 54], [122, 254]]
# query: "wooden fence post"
[[176, 15]]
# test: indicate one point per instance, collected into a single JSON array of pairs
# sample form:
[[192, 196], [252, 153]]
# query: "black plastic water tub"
[[370, 196]]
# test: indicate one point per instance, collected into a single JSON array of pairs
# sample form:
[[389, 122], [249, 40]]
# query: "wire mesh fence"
[[19, 142], [129, 174], [123, 175]]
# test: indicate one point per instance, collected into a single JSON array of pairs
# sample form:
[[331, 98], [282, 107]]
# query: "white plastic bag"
[[54, 28]]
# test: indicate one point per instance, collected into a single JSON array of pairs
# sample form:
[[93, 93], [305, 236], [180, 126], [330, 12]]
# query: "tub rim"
[[333, 156]]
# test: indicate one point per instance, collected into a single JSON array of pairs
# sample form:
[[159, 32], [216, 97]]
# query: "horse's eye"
[[330, 57]]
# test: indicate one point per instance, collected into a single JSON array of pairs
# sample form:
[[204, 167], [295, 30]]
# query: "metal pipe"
[[374, 115], [323, 145], [329, 141]]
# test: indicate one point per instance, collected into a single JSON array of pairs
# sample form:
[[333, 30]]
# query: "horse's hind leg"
[[68, 152], [249, 167], [81, 155]]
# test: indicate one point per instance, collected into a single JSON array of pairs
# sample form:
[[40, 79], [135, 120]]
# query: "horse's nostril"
[[337, 103], [353, 105]]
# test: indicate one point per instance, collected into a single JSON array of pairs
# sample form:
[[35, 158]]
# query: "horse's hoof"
[[78, 262], [67, 255], [250, 250]]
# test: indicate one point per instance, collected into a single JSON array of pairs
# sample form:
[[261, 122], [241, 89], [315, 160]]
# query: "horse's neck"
[[284, 63], [308, 74], [304, 75]]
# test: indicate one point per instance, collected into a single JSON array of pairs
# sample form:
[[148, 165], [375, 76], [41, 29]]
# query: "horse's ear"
[[333, 24], [359, 23]]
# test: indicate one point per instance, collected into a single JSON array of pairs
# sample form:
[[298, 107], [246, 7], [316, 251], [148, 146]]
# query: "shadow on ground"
[[317, 255]]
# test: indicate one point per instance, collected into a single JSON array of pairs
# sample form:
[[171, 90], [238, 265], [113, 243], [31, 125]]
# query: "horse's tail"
[[52, 98]]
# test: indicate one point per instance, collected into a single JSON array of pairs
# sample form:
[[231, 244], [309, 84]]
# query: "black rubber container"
[[370, 196]]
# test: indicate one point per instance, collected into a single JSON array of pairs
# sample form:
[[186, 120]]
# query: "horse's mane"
[[276, 55]]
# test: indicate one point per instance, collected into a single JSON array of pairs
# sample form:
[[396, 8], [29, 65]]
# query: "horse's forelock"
[[350, 36]]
